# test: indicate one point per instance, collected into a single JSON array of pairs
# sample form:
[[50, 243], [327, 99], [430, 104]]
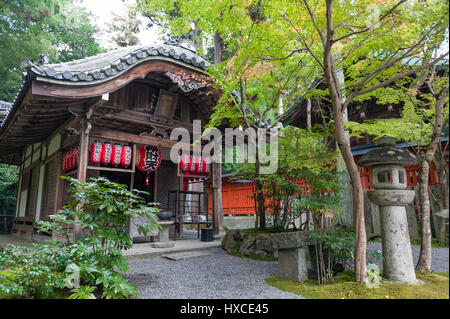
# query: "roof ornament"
[[183, 43], [186, 84], [42, 59]]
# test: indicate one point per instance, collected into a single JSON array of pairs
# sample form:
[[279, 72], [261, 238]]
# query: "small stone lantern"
[[388, 177]]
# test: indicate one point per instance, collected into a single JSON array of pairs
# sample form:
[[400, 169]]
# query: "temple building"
[[109, 115]]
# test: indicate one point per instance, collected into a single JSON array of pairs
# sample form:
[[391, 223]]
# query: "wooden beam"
[[144, 119], [130, 138], [138, 71], [112, 169]]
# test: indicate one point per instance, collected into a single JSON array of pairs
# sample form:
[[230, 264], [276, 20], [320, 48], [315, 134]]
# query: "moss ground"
[[343, 286], [434, 242]]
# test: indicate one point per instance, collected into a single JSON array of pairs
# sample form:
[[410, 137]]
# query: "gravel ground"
[[218, 275], [223, 276], [439, 257]]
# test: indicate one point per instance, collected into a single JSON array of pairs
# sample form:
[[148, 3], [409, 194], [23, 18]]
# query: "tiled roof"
[[4, 110], [105, 66]]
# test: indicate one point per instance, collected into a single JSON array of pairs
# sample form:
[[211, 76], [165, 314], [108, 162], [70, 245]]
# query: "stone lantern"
[[388, 177]]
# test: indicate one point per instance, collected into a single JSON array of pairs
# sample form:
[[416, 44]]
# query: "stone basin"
[[391, 197], [291, 240], [164, 215]]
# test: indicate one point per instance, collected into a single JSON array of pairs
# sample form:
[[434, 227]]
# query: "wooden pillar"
[[217, 208], [84, 153], [82, 162]]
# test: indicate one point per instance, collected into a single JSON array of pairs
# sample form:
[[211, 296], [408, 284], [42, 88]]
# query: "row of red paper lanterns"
[[107, 153], [70, 159], [195, 165]]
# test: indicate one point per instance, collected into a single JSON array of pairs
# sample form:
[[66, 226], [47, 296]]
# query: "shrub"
[[94, 260]]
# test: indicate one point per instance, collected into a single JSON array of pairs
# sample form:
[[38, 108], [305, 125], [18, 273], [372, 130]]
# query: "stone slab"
[[290, 240], [186, 255], [145, 250], [163, 244]]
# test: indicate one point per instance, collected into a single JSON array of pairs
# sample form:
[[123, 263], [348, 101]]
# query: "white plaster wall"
[[54, 144], [23, 203], [39, 194]]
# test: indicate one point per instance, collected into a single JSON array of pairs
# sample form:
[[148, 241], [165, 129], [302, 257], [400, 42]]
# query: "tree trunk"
[[442, 168], [358, 198], [259, 194], [353, 170], [424, 263], [218, 48]]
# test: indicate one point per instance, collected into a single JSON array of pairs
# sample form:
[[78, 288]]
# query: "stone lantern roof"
[[387, 153]]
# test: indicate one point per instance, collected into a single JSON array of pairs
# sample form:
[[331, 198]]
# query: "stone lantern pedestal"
[[388, 178]]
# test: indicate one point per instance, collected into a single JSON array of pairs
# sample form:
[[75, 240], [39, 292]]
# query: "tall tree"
[[60, 29], [367, 39], [125, 27], [425, 109]]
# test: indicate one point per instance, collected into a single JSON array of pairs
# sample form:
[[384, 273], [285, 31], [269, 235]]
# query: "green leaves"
[[60, 29], [84, 292], [103, 209]]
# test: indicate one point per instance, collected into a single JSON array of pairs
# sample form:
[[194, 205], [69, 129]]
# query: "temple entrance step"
[[186, 255]]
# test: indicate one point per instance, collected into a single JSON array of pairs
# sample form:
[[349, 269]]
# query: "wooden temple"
[[99, 116]]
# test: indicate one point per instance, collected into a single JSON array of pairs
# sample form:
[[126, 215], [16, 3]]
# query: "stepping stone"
[[186, 255]]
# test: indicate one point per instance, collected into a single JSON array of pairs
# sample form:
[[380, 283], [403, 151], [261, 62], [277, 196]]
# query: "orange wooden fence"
[[237, 197]]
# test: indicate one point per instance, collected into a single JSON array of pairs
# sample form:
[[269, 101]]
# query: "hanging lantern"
[[69, 160], [206, 166], [148, 158], [73, 160], [198, 165], [77, 155], [96, 151], [116, 154], [192, 160], [184, 163], [106, 153], [125, 155]]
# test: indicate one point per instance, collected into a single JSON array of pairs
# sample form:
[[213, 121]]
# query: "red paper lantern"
[[116, 154], [184, 162], [77, 156], [73, 158], [148, 158], [125, 155], [96, 152], [191, 167], [106, 153], [199, 166], [206, 166], [196, 160], [68, 160]]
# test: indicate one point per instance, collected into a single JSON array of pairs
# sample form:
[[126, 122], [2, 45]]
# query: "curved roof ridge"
[[107, 65]]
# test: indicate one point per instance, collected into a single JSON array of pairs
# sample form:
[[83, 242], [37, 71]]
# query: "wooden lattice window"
[[50, 187], [32, 193], [166, 181]]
